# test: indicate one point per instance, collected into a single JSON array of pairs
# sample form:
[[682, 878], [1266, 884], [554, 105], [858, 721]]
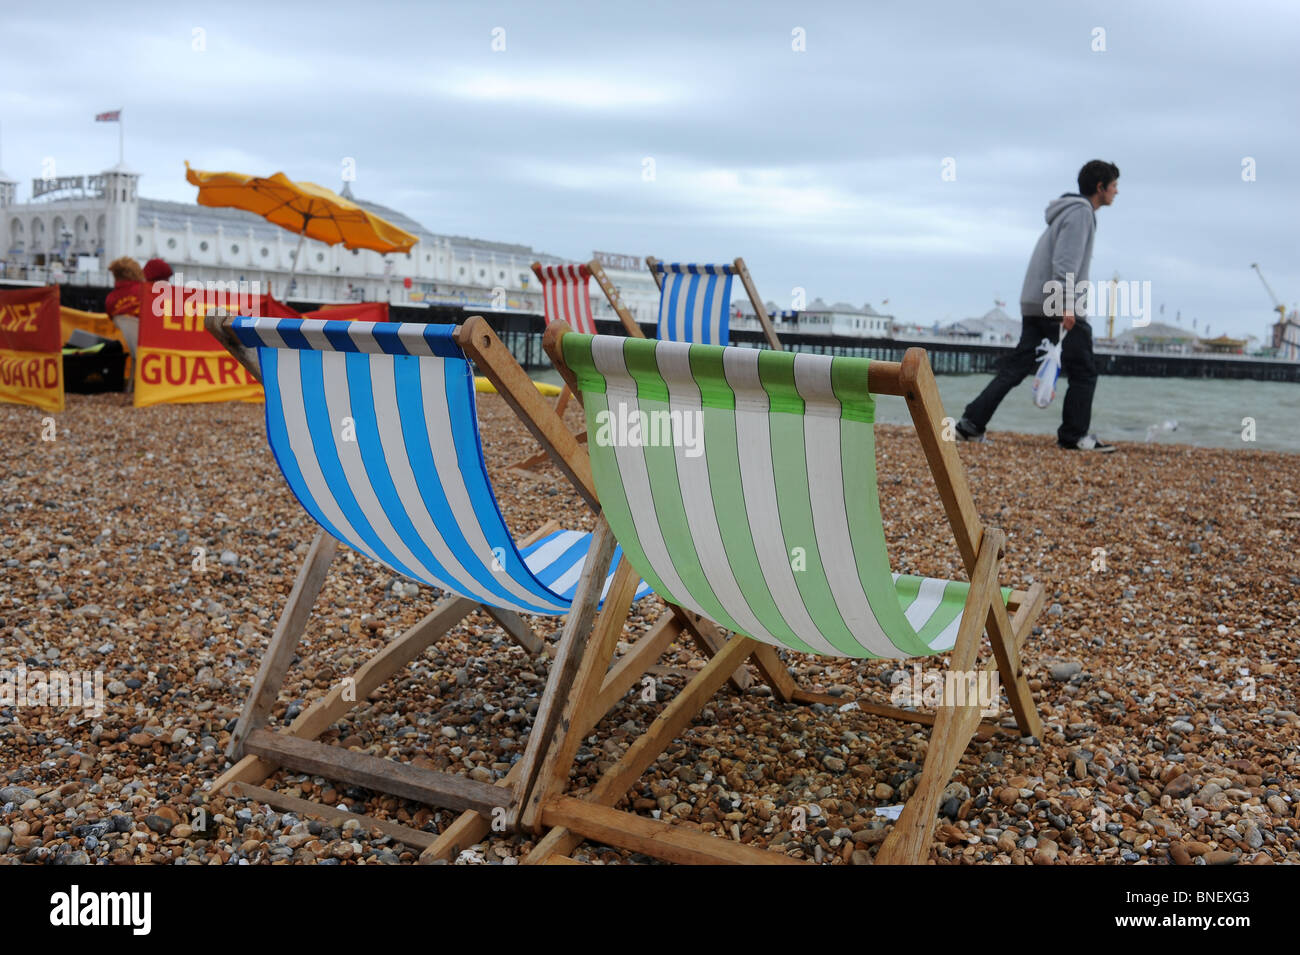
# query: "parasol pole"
[[297, 257]]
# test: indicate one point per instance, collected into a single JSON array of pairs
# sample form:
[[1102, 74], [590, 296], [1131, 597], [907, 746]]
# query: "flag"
[[113, 116]]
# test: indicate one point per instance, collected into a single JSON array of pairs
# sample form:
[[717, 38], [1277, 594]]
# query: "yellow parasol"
[[311, 211]]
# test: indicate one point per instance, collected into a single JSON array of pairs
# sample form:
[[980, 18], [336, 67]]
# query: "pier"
[[522, 333]]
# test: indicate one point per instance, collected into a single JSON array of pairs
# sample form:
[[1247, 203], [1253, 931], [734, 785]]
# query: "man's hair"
[[1096, 172]]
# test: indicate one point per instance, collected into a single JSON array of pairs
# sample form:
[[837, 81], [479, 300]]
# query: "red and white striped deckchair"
[[565, 295]]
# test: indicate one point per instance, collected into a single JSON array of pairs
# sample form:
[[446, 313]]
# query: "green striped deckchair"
[[742, 485]]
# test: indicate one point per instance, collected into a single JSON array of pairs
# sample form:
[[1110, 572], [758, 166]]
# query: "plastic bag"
[[1049, 369]]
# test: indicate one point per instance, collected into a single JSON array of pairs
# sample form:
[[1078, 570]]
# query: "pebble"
[[1062, 672]]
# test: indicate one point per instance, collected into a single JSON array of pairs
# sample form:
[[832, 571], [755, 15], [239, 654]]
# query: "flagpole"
[[121, 136]]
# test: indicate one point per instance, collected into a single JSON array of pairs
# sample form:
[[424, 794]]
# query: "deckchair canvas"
[[768, 522]]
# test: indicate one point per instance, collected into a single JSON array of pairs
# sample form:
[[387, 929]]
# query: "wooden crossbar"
[[372, 772], [662, 841]]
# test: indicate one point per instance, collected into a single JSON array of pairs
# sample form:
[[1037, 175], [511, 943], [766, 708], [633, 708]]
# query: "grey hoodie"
[[1065, 247]]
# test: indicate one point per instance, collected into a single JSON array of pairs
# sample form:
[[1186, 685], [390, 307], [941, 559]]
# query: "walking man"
[[1055, 297]]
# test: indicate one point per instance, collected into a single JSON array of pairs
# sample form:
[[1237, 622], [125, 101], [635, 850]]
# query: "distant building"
[[818, 318], [844, 319], [994, 327], [1157, 337], [1223, 345], [784, 321]]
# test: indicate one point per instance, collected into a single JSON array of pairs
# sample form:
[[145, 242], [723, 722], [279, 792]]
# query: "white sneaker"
[[1089, 442]]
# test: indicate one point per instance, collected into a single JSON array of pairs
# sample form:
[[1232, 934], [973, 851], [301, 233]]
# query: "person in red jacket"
[[127, 295]]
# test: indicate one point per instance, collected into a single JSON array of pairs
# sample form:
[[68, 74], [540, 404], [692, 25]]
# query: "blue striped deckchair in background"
[[695, 302], [742, 485]]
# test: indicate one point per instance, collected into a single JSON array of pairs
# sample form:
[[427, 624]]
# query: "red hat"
[[156, 270]]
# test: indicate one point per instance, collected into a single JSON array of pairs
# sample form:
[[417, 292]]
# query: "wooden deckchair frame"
[[570, 820], [258, 752], [773, 340]]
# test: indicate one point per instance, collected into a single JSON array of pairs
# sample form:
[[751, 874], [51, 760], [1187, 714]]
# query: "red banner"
[[29, 320], [351, 311], [31, 341]]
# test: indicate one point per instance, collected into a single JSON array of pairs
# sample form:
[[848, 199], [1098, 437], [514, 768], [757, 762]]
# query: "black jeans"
[[1076, 364]]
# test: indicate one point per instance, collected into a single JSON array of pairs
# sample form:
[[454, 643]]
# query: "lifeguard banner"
[[31, 341], [179, 362]]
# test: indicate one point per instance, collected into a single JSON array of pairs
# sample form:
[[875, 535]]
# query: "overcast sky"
[[822, 167]]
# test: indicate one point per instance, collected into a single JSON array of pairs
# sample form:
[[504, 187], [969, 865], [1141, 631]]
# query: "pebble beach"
[[158, 545]]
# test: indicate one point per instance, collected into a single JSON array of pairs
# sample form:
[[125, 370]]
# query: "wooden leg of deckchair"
[[1027, 612], [710, 640], [470, 827], [518, 630], [564, 668], [667, 726], [327, 709], [562, 402], [624, 674], [954, 726], [1006, 650], [288, 631], [569, 732]]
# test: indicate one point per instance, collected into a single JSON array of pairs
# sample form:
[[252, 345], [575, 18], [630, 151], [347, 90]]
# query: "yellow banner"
[[32, 378], [186, 377], [96, 323]]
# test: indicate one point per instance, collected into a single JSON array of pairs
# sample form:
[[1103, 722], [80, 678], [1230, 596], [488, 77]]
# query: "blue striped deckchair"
[[695, 302], [374, 428], [742, 485]]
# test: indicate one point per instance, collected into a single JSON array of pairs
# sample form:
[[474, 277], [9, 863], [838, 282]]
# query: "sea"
[[1202, 412]]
